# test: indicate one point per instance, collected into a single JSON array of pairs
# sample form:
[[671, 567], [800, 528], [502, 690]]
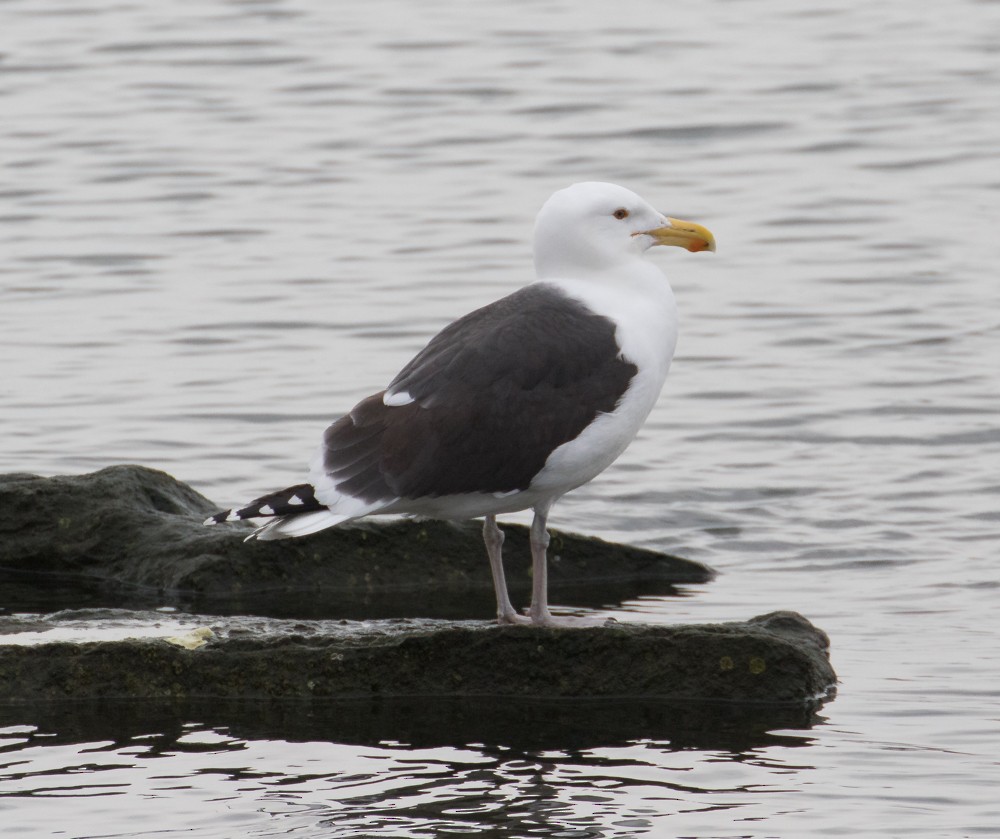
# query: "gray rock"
[[129, 535], [777, 659]]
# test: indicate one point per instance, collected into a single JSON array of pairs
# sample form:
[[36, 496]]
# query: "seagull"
[[517, 403]]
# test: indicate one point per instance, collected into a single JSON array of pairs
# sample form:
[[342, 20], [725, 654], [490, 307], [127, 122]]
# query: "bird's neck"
[[635, 277]]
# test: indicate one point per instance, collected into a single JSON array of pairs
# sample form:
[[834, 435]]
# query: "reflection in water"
[[512, 725], [534, 768]]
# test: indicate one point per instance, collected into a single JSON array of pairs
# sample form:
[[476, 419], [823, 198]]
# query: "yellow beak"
[[684, 234]]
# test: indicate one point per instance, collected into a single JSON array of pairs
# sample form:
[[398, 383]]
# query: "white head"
[[594, 227]]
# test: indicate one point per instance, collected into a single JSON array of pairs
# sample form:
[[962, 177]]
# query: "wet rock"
[[129, 535], [777, 659]]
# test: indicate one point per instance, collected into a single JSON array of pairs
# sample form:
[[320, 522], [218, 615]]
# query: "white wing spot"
[[396, 400], [233, 516], [294, 501], [267, 510]]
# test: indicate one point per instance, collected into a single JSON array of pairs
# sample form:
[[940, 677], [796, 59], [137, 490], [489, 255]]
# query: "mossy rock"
[[133, 536]]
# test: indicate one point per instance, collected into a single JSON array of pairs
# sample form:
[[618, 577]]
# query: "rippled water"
[[223, 222]]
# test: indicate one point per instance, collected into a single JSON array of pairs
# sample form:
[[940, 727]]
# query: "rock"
[[777, 659], [129, 535]]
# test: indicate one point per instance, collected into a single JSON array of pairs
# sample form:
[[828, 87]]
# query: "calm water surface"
[[222, 223]]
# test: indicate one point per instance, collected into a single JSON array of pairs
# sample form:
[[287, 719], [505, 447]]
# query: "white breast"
[[645, 314]]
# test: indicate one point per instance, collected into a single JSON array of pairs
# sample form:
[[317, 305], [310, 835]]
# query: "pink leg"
[[493, 537]]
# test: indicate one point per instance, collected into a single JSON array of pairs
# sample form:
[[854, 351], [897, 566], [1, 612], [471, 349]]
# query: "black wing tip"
[[287, 502]]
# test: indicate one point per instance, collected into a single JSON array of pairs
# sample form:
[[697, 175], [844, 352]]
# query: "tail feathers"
[[300, 525], [293, 501]]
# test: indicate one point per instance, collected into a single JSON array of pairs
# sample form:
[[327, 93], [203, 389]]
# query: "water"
[[223, 222]]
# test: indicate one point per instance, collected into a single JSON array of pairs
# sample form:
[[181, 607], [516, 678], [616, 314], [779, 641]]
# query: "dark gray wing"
[[494, 393]]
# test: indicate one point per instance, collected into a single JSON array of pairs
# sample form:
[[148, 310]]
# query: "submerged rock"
[[779, 659], [130, 535]]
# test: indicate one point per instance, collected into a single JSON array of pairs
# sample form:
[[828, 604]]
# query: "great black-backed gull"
[[517, 403]]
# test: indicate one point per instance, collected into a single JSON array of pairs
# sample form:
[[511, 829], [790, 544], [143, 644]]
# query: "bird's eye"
[[620, 213]]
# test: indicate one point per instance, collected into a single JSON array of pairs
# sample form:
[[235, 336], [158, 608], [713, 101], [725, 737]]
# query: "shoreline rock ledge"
[[133, 536], [128, 540], [777, 659]]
